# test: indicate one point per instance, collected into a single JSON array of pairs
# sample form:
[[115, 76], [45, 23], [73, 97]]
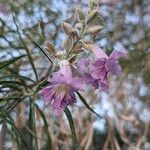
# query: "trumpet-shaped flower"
[[104, 64], [84, 72], [61, 92]]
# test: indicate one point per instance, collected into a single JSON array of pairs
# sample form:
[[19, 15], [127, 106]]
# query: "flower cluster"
[[63, 85], [61, 92], [96, 72], [74, 72]]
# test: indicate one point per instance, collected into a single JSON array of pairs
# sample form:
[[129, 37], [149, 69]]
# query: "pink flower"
[[104, 64], [61, 92], [84, 72]]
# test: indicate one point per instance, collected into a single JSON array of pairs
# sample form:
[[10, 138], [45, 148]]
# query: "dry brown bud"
[[87, 45], [50, 49], [78, 48], [93, 30], [73, 59], [68, 43], [68, 29]]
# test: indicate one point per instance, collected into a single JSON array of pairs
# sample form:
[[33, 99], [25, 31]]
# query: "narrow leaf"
[[7, 63], [17, 76], [87, 105], [5, 117], [26, 48], [71, 123], [35, 44], [49, 142]]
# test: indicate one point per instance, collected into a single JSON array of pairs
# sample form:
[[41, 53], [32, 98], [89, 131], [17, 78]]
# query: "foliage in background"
[[25, 124]]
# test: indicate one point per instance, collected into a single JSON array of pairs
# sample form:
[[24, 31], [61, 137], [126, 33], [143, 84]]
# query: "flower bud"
[[63, 62], [68, 43], [61, 54], [93, 14], [93, 30], [92, 3], [68, 29], [81, 14], [50, 49], [73, 59], [78, 49], [87, 45], [79, 26]]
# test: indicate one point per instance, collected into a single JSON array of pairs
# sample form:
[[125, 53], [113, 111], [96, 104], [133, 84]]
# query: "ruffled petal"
[[68, 100], [103, 84], [47, 94], [58, 99], [115, 55], [57, 78], [94, 83], [78, 83], [114, 67], [98, 52], [98, 69], [66, 71], [82, 65]]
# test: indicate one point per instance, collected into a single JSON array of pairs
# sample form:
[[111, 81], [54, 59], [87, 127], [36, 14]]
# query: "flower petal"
[[47, 94], [98, 69], [104, 85], [58, 99], [78, 83], [57, 78], [66, 71], [82, 65], [115, 55], [68, 100], [114, 67], [98, 52]]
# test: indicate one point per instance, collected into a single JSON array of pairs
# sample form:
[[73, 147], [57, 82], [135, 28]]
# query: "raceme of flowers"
[[74, 77]]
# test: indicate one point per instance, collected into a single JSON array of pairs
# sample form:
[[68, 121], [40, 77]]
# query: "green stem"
[[26, 49]]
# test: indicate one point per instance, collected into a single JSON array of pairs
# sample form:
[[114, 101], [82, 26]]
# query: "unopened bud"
[[73, 59], [68, 29], [93, 30], [81, 14], [79, 26], [50, 48], [63, 62], [61, 54], [92, 3], [68, 43], [93, 14], [87, 45]]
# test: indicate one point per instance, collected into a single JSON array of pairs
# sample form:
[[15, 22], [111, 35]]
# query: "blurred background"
[[25, 25]]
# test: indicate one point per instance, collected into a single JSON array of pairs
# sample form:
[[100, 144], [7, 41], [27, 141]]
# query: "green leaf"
[[35, 44], [7, 63], [26, 48], [42, 84], [16, 76], [71, 123], [49, 142], [11, 84], [87, 105], [5, 117], [15, 103]]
